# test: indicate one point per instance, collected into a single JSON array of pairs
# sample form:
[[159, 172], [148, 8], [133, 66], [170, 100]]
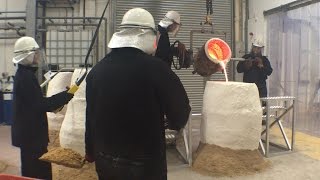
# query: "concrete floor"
[[10, 155], [296, 165]]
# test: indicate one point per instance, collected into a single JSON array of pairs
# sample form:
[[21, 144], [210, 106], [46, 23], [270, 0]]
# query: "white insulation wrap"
[[73, 127], [231, 115], [56, 85]]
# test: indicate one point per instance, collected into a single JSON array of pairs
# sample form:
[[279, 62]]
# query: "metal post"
[[57, 47], [81, 33], [95, 59], [74, 24], [190, 137], [293, 125], [31, 18], [14, 18], [11, 12], [246, 26], [50, 59], [284, 135], [10, 37], [65, 49], [267, 127], [262, 147], [72, 48], [84, 12], [57, 17]]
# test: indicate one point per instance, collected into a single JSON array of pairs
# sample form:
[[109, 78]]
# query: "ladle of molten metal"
[[218, 51]]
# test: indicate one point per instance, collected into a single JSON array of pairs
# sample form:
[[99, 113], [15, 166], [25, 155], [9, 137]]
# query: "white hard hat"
[[170, 18], [24, 47], [174, 16], [138, 17], [258, 41], [137, 31]]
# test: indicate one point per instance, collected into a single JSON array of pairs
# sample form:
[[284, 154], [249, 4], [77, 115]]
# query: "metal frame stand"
[[185, 135], [276, 108]]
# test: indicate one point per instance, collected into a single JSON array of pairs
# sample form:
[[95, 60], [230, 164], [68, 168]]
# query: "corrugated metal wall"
[[192, 13]]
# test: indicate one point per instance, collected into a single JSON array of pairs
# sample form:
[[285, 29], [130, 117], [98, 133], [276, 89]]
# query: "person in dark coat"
[[30, 124], [256, 68], [128, 93], [170, 23]]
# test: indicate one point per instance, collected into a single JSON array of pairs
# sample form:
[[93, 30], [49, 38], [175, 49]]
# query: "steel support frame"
[[187, 134], [277, 120]]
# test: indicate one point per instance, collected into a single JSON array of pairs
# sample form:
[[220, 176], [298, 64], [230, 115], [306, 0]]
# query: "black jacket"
[[30, 124], [164, 51], [128, 92], [255, 74]]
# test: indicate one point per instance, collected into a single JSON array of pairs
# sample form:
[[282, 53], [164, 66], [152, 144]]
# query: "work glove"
[[89, 158], [259, 62], [67, 96], [248, 64], [56, 102]]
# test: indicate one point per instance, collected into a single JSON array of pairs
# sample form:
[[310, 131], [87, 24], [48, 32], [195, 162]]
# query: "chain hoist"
[[209, 7]]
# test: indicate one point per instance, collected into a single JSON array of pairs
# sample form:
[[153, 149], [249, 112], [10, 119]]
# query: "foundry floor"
[[302, 164]]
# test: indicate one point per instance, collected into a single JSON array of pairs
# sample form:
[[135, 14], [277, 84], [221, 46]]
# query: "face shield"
[[257, 50], [43, 65], [33, 58], [24, 57]]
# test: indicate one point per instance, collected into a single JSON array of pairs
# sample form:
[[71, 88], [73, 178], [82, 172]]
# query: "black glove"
[[68, 96], [57, 101], [258, 62], [248, 64]]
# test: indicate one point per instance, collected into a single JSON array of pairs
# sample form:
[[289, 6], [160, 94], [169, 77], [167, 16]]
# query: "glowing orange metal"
[[217, 50]]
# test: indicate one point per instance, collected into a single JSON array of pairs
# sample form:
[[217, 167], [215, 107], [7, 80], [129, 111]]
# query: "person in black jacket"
[[170, 23], [256, 68], [127, 93], [30, 125]]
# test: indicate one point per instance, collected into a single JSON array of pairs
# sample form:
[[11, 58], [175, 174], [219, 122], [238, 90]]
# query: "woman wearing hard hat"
[[30, 124], [256, 68]]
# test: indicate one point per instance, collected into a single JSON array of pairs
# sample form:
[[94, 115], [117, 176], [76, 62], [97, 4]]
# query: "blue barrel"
[[1, 108], [7, 107]]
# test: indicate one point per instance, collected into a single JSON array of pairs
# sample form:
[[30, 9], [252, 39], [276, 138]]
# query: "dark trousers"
[[263, 93], [111, 168], [31, 166]]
